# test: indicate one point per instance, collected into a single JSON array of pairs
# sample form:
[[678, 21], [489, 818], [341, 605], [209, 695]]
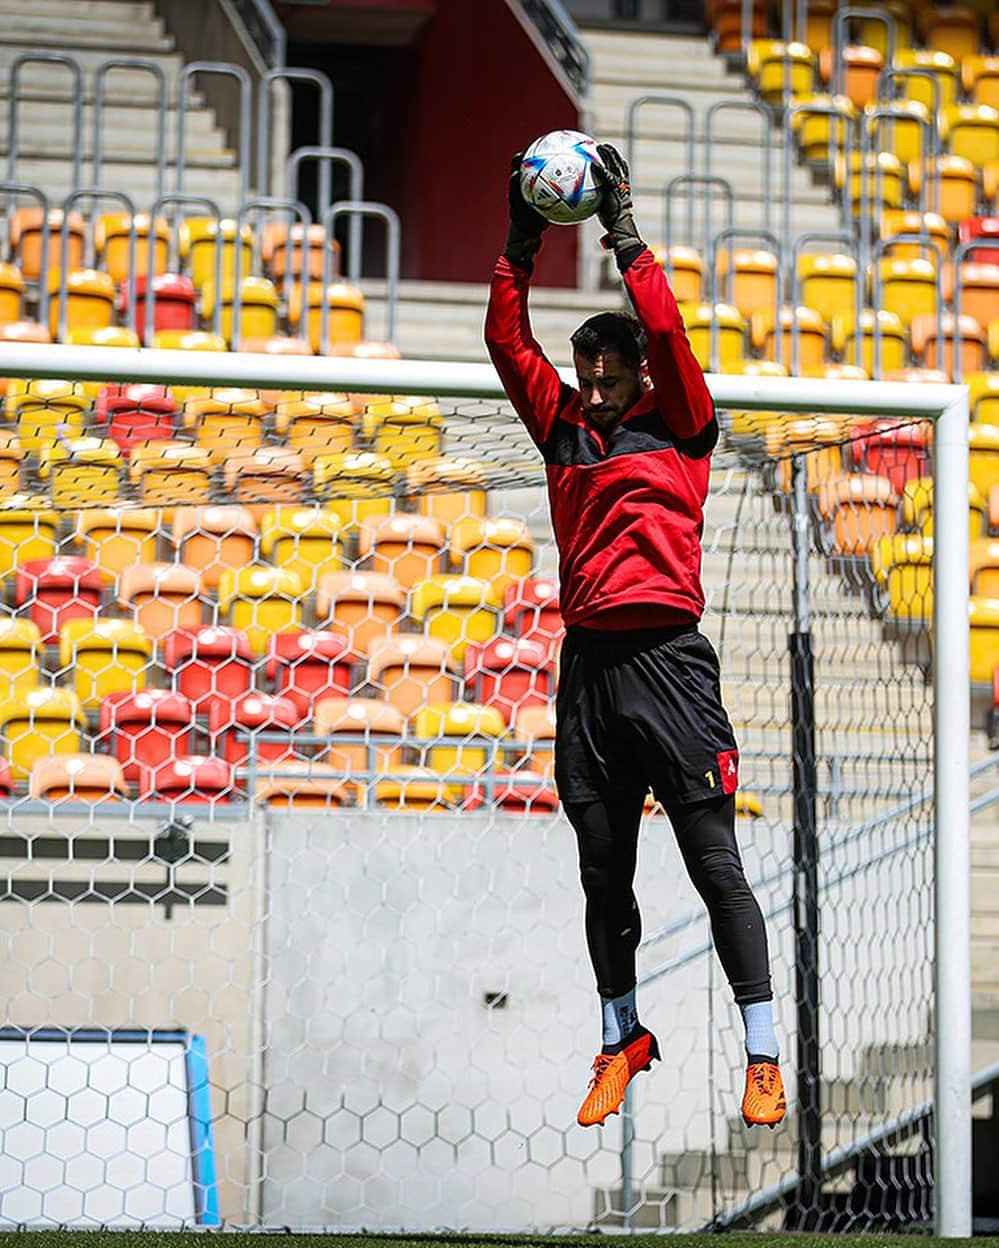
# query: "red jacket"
[[626, 505]]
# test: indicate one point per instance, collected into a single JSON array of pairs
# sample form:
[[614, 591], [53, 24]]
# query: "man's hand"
[[526, 223], [616, 209]]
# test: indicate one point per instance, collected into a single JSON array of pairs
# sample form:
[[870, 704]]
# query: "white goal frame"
[[945, 405]]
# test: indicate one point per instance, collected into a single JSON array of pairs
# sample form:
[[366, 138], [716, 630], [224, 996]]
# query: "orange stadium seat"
[[362, 606], [309, 785], [405, 546], [860, 69], [26, 240], [952, 29], [268, 476], [412, 671], [11, 293], [227, 422], [983, 563], [933, 354], [901, 221], [345, 322], [533, 729], [686, 272], [731, 334], [979, 289], [858, 508], [77, 778], [212, 540], [116, 538], [171, 473], [161, 597], [752, 284], [447, 488], [812, 336], [274, 249], [318, 424], [90, 298], [377, 730], [189, 778], [952, 186], [111, 237]]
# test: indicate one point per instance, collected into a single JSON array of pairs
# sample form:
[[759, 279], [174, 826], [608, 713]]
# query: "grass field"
[[237, 1239]]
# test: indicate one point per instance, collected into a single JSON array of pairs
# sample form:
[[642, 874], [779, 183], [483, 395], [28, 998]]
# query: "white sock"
[[620, 1017], [761, 1039]]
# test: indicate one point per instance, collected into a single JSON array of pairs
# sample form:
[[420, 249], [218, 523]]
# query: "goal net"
[[292, 925]]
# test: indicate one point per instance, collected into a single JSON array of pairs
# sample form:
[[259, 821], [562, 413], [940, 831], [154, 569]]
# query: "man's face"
[[607, 387]]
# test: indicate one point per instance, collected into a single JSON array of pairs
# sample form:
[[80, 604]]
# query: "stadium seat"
[[983, 397], [980, 79], [983, 565], [984, 228], [403, 429], [268, 477], [531, 612], [381, 726], [187, 340], [258, 314], [47, 410], [161, 597], [11, 293], [509, 673], [208, 663], [260, 601], [518, 792], [859, 70], [891, 335], [415, 789], [951, 186], [115, 538], [356, 484], [59, 590], [903, 128], [820, 440], [983, 619], [318, 424], [941, 65], [950, 28], [6, 784], [873, 33], [857, 509], [301, 785], [879, 179], [822, 136], [146, 728], [111, 236], [979, 289], [171, 473], [898, 452], [226, 422], [971, 131], [197, 239], [101, 336], [25, 239], [452, 734], [303, 540], [77, 778], [983, 456], [812, 337], [731, 334], [499, 550], [909, 221], [309, 665], [346, 312], [362, 606], [411, 671], [405, 546], [212, 540], [40, 723], [90, 299], [685, 271], [916, 509], [446, 488], [724, 18], [827, 282], [751, 286], [81, 472], [11, 459], [908, 288], [927, 349], [229, 726], [20, 645], [174, 309], [533, 729], [274, 250], [104, 656], [189, 778], [26, 534], [457, 610], [132, 414], [902, 569], [775, 67]]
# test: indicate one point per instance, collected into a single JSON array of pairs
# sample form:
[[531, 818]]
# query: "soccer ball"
[[557, 177]]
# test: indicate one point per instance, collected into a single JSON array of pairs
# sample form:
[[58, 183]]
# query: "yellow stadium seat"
[[905, 133], [381, 726], [457, 722], [269, 476], [983, 397], [261, 601], [980, 79], [346, 313], [775, 66], [883, 181], [103, 336], [11, 458], [303, 540], [115, 538], [20, 649], [364, 606], [26, 533], [457, 610], [499, 550], [752, 285], [916, 508], [447, 488], [77, 778], [908, 288], [971, 131], [104, 656], [952, 29], [827, 282], [11, 293], [161, 597], [90, 296], [40, 723], [357, 485], [983, 456], [227, 422], [111, 234], [415, 789], [731, 334], [873, 32], [403, 429], [685, 271], [198, 238], [258, 313], [892, 338], [44, 410], [81, 472], [318, 424], [405, 546], [983, 565], [902, 567], [820, 134], [170, 473], [412, 671], [952, 186], [983, 620], [942, 66]]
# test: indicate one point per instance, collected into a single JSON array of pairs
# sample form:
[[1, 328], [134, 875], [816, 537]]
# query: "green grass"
[[150, 1239]]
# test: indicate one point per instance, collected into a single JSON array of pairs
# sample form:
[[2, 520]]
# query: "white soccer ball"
[[557, 176]]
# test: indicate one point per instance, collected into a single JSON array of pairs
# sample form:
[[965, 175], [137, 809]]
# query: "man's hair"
[[611, 331]]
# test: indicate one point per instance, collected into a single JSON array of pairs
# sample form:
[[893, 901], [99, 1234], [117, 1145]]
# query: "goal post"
[[945, 405]]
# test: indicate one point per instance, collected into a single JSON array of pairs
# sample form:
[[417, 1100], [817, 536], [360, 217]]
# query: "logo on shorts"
[[728, 768]]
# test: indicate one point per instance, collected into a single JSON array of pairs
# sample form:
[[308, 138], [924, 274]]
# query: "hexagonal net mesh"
[[292, 924]]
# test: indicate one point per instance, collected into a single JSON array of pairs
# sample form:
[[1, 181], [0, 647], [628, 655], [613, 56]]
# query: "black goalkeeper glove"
[[616, 209], [526, 223]]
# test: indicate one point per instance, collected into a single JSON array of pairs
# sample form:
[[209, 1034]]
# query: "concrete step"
[[47, 120], [217, 178], [132, 90], [112, 29], [89, 56], [123, 145], [612, 52], [133, 12]]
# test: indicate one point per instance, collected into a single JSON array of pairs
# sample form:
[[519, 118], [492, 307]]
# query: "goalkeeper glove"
[[526, 223], [616, 209]]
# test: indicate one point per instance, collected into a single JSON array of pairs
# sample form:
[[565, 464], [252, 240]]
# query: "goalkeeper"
[[639, 706]]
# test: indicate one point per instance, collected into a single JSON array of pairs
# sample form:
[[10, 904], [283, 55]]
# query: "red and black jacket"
[[626, 505]]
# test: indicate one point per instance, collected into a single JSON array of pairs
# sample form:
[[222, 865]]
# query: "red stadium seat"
[[309, 665], [208, 664], [190, 778], [147, 728], [67, 587], [173, 303], [509, 673], [6, 784], [258, 712], [980, 227], [136, 413], [531, 612], [517, 792], [898, 452]]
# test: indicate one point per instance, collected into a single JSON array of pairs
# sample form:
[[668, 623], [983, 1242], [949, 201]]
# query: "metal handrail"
[[296, 210], [223, 69], [631, 137], [355, 191], [696, 179], [119, 197], [101, 73], [957, 260], [562, 38], [10, 189], [325, 87], [367, 208], [258, 15], [840, 20], [44, 58], [212, 207], [761, 110], [806, 109]]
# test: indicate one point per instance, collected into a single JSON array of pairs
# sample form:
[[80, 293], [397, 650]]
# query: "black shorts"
[[642, 709]]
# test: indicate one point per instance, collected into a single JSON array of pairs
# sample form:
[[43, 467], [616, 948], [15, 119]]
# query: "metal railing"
[[562, 38]]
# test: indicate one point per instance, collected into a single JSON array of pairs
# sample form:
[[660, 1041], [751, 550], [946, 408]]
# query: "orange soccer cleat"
[[763, 1102], [612, 1072]]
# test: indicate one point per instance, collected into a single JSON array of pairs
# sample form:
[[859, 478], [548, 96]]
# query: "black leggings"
[[607, 836]]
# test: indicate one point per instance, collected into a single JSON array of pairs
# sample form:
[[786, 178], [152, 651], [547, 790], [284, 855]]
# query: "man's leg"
[[705, 832], [607, 839]]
